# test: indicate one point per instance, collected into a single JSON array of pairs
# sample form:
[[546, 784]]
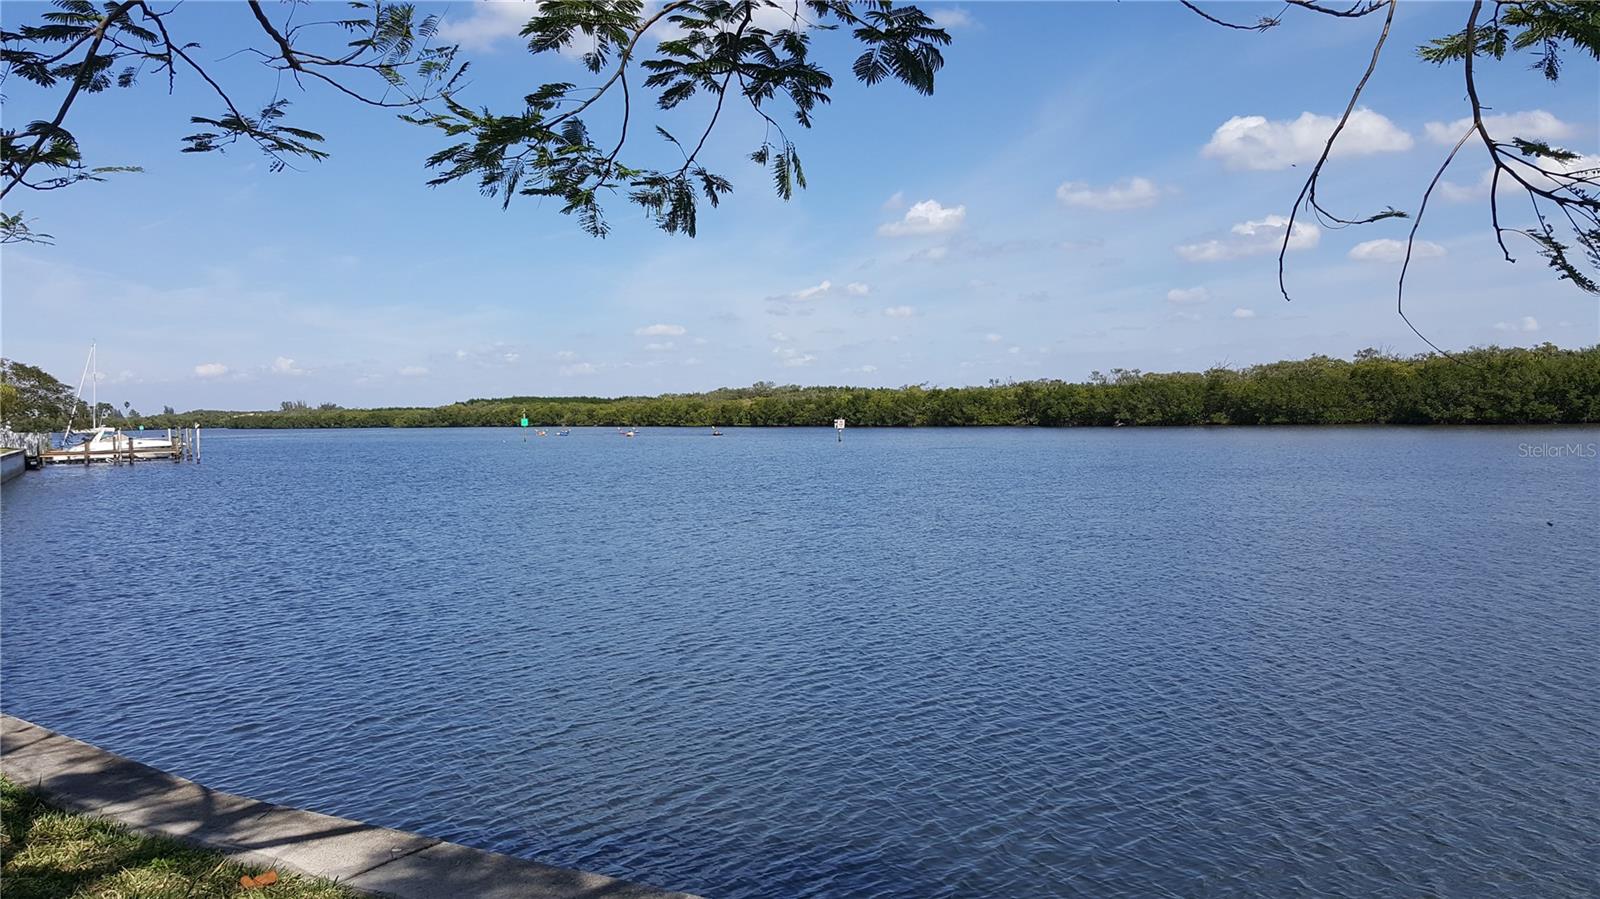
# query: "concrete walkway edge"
[[86, 779]]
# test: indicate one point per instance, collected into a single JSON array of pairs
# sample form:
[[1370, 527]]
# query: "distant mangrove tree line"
[[1543, 385]]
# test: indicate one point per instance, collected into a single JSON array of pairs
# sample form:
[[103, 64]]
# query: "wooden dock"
[[183, 445]]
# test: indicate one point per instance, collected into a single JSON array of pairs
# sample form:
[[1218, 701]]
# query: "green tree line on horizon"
[[1491, 385]]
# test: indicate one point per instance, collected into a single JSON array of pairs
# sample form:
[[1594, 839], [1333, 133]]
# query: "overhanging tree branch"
[[1265, 22], [1411, 241], [86, 71], [1310, 187], [1570, 191]]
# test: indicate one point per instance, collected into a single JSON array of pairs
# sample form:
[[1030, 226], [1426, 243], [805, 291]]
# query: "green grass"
[[46, 853]]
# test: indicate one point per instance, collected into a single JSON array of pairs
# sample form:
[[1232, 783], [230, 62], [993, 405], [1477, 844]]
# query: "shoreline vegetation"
[[48, 852], [1480, 386]]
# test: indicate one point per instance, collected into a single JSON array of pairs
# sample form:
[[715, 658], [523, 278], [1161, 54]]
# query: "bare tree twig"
[[1400, 289], [1494, 208], [283, 44], [722, 94], [1327, 148], [1263, 25], [1367, 7], [384, 104]]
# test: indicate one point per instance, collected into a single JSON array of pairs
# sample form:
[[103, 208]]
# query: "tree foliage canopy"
[[754, 53], [31, 399], [562, 143]]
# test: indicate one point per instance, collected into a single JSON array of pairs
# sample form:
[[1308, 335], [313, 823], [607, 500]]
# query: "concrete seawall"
[[86, 779], [12, 463]]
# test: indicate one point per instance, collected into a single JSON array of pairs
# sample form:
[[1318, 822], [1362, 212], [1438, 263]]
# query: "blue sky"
[[1092, 185]]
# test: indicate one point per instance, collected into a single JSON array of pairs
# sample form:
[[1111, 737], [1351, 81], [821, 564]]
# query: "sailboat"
[[101, 441], [106, 441]]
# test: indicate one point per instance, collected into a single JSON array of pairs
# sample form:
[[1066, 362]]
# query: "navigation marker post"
[[838, 429]]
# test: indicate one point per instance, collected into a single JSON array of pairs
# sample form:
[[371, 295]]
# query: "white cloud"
[[897, 200], [1242, 312], [210, 369], [1014, 350], [793, 358], [1535, 124], [661, 331], [491, 22], [1129, 193], [1452, 192], [815, 290], [283, 365], [865, 369], [661, 347], [1528, 324], [1387, 249], [950, 16], [779, 337], [857, 289], [993, 338], [414, 371], [566, 354], [927, 217], [578, 368], [1254, 142], [1252, 238], [1185, 295], [803, 295], [899, 312]]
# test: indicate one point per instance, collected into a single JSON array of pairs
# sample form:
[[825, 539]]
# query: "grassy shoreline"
[[47, 853]]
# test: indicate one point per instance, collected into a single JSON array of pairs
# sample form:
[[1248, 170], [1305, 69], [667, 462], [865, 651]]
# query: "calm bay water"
[[920, 663]]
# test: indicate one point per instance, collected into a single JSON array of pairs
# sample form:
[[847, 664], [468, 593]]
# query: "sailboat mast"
[[94, 388]]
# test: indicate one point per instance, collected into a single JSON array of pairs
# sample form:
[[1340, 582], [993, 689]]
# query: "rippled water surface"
[[915, 664]]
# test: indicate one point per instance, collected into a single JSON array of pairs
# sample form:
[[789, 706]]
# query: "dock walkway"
[[86, 779]]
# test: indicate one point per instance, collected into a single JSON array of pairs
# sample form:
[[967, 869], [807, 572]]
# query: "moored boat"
[[106, 443]]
